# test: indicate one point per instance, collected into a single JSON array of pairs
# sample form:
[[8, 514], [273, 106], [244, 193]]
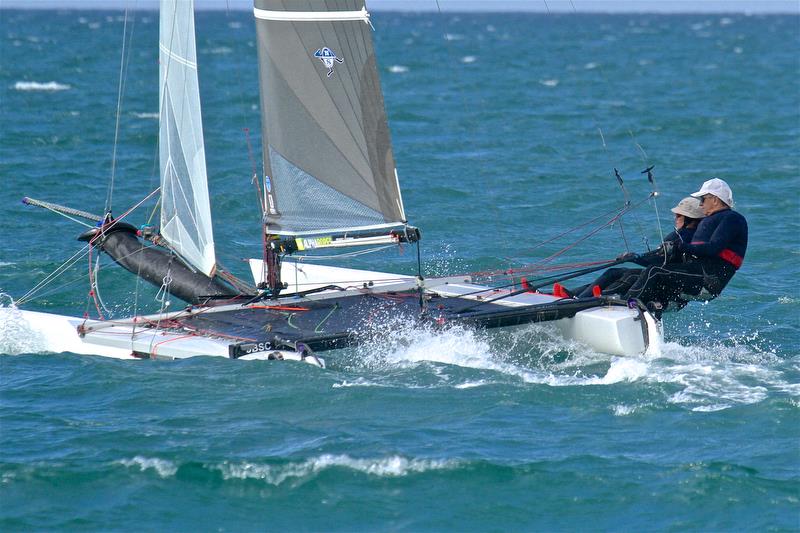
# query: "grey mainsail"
[[185, 210], [327, 152]]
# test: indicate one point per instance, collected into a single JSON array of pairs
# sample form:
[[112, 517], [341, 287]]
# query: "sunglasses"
[[705, 197]]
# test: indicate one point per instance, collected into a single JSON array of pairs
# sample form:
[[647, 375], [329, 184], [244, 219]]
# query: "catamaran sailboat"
[[329, 182]]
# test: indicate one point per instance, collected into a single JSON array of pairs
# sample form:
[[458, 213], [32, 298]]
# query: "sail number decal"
[[309, 244], [328, 58]]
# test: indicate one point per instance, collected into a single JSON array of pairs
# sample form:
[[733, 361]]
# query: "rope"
[[538, 265]]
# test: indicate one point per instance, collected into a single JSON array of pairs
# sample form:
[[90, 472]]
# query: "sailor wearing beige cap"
[[619, 280], [714, 253]]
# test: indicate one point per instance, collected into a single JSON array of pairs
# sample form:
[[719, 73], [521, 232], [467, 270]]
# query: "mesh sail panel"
[[185, 210], [326, 145], [318, 204]]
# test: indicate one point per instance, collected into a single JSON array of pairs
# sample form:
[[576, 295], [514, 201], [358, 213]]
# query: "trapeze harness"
[[713, 256]]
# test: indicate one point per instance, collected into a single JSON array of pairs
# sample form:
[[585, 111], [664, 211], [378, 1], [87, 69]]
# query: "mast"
[[185, 208]]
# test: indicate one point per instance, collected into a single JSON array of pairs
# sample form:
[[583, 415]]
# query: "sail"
[[327, 152], [185, 210]]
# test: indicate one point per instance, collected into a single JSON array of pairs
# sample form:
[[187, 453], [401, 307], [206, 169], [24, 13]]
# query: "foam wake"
[[16, 335], [709, 377]]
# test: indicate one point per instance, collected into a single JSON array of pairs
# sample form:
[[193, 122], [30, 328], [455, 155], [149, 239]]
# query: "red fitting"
[[558, 290]]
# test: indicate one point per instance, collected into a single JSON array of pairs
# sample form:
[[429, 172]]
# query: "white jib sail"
[[185, 209]]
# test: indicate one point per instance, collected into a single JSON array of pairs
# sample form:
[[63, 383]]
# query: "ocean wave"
[[145, 115], [392, 466], [38, 86], [398, 69], [549, 82], [163, 467]]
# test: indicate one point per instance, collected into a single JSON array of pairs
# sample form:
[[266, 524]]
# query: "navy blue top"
[[722, 234]]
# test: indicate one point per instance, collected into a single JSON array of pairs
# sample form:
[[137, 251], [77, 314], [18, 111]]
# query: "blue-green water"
[[497, 134]]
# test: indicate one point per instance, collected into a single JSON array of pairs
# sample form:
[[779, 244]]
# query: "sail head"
[[327, 151], [185, 209]]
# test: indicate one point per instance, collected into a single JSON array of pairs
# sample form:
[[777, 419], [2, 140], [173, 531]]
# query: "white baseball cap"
[[689, 207], [718, 188]]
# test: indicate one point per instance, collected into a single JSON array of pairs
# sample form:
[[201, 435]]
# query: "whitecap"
[[145, 115], [163, 467], [38, 86], [591, 66], [623, 410], [471, 384], [220, 50], [398, 69], [787, 300], [468, 59], [392, 466], [738, 50], [549, 83], [358, 382]]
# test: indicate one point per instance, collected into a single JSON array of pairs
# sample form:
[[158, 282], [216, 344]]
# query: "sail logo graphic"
[[328, 58], [269, 200]]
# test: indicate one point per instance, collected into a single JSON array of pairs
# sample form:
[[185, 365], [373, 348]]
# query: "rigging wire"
[[66, 265], [123, 75], [631, 134]]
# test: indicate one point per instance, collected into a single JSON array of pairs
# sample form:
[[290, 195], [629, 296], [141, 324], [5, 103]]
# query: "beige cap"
[[718, 188], [689, 207]]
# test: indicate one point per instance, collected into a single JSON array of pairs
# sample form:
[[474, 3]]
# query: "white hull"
[[615, 330], [124, 340]]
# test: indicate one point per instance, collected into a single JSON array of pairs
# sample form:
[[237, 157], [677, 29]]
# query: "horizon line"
[[650, 7]]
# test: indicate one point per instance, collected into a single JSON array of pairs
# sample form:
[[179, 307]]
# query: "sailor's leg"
[[622, 285], [607, 278], [667, 283]]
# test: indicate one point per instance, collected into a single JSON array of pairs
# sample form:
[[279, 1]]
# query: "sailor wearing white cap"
[[619, 280], [714, 254]]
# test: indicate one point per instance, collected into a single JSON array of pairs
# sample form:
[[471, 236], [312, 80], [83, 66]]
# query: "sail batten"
[[185, 207], [328, 159]]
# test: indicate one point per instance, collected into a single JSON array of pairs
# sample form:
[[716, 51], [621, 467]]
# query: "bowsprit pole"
[[654, 195]]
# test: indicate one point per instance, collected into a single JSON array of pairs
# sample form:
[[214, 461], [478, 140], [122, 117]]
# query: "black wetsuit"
[[713, 256], [619, 280]]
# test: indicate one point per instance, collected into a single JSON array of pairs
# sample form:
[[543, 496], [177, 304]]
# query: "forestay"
[[328, 158], [185, 211]]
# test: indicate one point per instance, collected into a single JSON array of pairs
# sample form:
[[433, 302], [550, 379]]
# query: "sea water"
[[506, 130]]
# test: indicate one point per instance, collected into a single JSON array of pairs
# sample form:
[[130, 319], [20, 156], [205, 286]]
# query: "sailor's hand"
[[627, 256], [668, 249]]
